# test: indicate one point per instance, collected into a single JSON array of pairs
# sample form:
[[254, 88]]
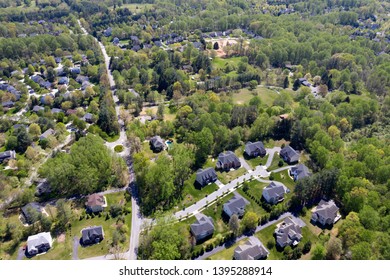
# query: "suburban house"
[[274, 192], [235, 205], [30, 210], [96, 203], [157, 144], [7, 155], [287, 233], [252, 249], [299, 172], [63, 81], [7, 104], [205, 176], [92, 235], [37, 108], [202, 228], [39, 243], [46, 134], [304, 82], [88, 117], [289, 155], [255, 149], [56, 111], [228, 160], [326, 213]]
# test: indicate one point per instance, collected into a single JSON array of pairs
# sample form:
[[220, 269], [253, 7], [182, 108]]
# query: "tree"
[[334, 249], [64, 215], [203, 141], [182, 161], [34, 130], [250, 221], [23, 139], [160, 111], [286, 82], [296, 85], [318, 252], [234, 225], [361, 251]]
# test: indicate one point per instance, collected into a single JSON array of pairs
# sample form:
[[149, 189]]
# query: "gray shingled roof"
[[236, 204], [47, 133], [300, 171], [253, 249], [203, 225], [275, 190], [89, 234], [327, 209], [253, 147], [204, 176], [228, 158], [288, 232], [157, 142], [290, 154]]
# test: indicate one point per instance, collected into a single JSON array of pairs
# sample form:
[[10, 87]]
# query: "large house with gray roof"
[[274, 192], [289, 155], [252, 249], [157, 144], [7, 155], [46, 134], [255, 149], [227, 161], [299, 172], [288, 233], [202, 228], [235, 205], [92, 235], [30, 211], [39, 243], [326, 213], [205, 176]]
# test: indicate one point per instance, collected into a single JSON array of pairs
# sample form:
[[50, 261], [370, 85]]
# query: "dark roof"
[[56, 110], [157, 142], [227, 158], [204, 176], [75, 70], [275, 190], [203, 225], [300, 171], [47, 133], [38, 108], [327, 209], [253, 249], [7, 155], [90, 234], [63, 80], [256, 146], [236, 205], [289, 154], [8, 104], [26, 210]]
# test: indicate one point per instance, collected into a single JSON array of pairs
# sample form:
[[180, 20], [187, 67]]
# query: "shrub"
[[307, 247], [115, 210], [271, 244], [280, 163], [271, 176], [118, 148]]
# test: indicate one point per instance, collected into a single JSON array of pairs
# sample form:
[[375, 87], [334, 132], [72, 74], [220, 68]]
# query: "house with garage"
[[37, 109], [39, 243], [8, 104], [157, 144], [7, 155], [96, 203], [289, 155], [92, 235], [203, 228], [235, 205], [205, 177], [299, 172], [274, 192], [288, 233], [251, 250], [46, 134], [227, 161], [30, 212], [326, 213], [255, 149]]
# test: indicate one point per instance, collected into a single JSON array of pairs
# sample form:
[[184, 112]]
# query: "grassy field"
[[220, 63], [284, 178], [228, 253], [266, 95], [256, 188], [226, 177], [275, 163], [254, 162], [253, 206]]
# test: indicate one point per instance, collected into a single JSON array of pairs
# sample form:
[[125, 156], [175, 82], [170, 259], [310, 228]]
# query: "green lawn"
[[284, 178], [112, 138], [148, 152], [227, 254], [254, 162], [253, 206], [220, 63], [226, 177], [275, 163], [256, 188], [136, 8], [267, 96]]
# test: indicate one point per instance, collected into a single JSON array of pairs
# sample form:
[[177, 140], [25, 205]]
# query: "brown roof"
[[95, 200]]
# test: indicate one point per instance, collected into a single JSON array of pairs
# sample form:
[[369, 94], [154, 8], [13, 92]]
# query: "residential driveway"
[[245, 164], [21, 253], [282, 168], [76, 244], [219, 183], [271, 153]]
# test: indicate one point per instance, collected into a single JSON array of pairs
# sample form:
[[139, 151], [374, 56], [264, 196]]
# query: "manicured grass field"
[[275, 163], [220, 63], [136, 8], [284, 178], [266, 95], [227, 254], [254, 162], [225, 177]]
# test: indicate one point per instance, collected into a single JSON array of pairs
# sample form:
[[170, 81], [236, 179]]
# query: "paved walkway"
[[245, 164], [259, 228], [76, 244]]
